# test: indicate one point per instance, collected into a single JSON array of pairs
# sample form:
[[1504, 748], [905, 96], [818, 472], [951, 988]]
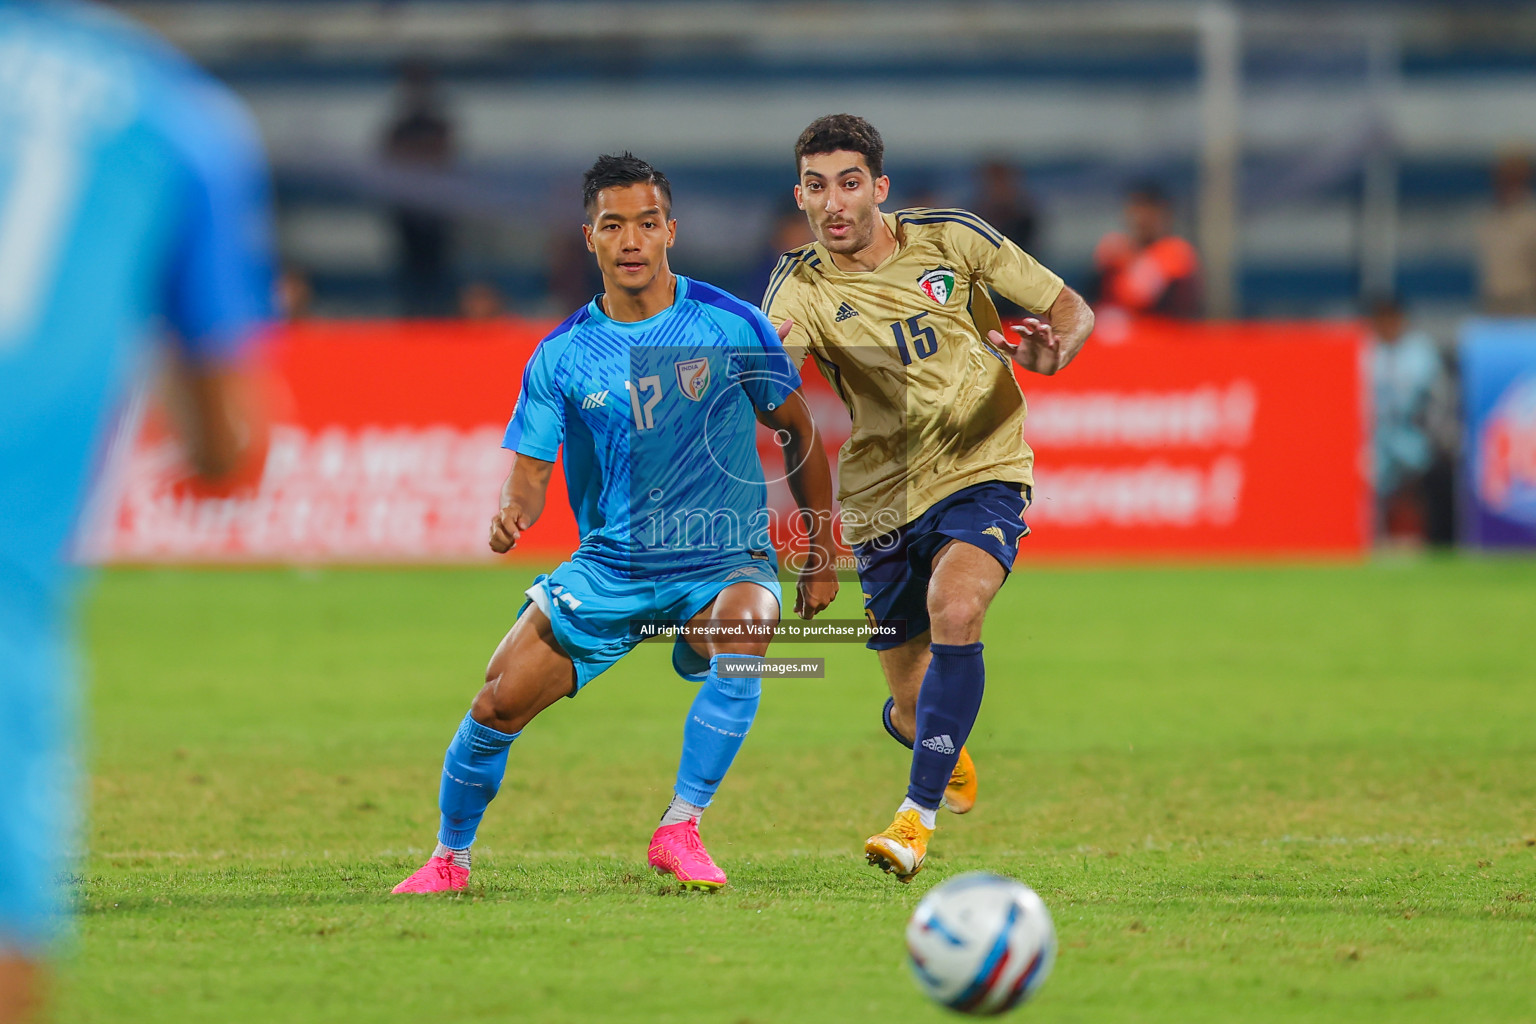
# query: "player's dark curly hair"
[[848, 132], [625, 169]]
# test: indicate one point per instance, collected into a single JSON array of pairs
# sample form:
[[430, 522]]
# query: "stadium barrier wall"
[[1498, 477], [1206, 439], [1202, 440]]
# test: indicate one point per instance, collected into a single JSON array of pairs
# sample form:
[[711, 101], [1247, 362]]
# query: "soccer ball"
[[981, 943]]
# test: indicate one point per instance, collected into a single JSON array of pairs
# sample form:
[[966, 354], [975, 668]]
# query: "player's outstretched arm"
[[522, 501], [1048, 346], [810, 481]]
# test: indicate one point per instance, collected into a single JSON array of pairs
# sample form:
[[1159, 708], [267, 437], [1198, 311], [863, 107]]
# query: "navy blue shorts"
[[895, 567]]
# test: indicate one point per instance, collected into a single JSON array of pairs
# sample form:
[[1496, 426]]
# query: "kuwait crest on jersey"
[[938, 284], [693, 377]]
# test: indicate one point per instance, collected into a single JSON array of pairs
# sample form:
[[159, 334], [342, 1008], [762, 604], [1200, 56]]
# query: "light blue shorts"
[[37, 786], [595, 611]]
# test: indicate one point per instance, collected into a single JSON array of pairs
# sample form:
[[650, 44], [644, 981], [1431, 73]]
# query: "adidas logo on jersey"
[[596, 400], [940, 744], [845, 311]]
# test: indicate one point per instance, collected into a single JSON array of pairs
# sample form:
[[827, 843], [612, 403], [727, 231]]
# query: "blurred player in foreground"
[[936, 477], [133, 196], [654, 389]]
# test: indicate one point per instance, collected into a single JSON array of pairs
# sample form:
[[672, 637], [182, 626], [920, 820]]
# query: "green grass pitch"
[[1247, 794]]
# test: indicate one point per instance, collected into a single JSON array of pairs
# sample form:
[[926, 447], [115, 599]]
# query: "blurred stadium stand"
[[1364, 131]]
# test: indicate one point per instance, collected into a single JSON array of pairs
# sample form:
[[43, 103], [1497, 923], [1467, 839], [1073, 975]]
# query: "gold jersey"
[[934, 407]]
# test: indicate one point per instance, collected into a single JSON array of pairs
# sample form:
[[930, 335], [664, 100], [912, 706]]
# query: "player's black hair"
[[1148, 191], [617, 171], [848, 132]]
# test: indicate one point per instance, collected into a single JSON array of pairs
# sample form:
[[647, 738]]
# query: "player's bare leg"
[[745, 603], [717, 723], [527, 674], [20, 985], [904, 667], [965, 580]]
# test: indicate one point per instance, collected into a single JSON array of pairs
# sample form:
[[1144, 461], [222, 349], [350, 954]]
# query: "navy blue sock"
[[717, 725], [947, 706], [890, 727], [472, 772]]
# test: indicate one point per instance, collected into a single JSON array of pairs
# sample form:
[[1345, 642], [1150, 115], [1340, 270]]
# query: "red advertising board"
[[385, 447], [1203, 439]]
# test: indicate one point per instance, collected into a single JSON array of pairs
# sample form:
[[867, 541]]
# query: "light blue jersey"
[[132, 195], [133, 202], [658, 426], [657, 420]]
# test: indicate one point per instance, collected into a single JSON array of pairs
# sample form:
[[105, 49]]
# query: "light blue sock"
[[717, 724], [472, 771]]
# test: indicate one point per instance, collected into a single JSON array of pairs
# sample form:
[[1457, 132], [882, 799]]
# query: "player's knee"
[[754, 647], [487, 710], [747, 630], [957, 618], [502, 704]]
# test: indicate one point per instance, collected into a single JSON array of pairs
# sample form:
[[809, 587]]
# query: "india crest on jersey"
[[938, 284], [693, 377]]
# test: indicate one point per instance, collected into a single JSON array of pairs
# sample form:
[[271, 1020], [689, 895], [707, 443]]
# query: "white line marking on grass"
[[419, 851], [629, 856], [1222, 843]]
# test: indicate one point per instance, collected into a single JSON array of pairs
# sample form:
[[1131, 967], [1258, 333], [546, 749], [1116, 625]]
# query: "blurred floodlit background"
[[1234, 163], [1313, 152]]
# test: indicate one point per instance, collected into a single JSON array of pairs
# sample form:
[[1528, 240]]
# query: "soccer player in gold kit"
[[936, 476]]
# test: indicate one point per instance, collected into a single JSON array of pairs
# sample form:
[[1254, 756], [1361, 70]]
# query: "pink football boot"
[[439, 874], [676, 850]]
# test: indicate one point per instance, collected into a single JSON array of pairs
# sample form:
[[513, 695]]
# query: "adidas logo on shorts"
[[845, 312], [940, 744]]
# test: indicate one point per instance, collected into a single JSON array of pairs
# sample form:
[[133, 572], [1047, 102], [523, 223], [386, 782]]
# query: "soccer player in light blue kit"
[[653, 389], [133, 197]]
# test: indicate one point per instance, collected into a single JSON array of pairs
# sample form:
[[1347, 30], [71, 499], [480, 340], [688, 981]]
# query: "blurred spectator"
[[1445, 433], [924, 194], [573, 275], [421, 136], [790, 231], [295, 295], [1507, 242], [1004, 202], [1147, 269], [1405, 373], [480, 300]]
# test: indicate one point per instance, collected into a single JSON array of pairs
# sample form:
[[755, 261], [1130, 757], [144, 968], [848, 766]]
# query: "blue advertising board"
[[1498, 493]]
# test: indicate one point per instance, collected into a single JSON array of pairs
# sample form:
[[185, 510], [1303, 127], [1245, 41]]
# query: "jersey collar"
[[595, 309]]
